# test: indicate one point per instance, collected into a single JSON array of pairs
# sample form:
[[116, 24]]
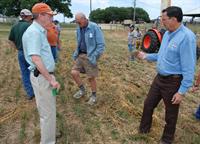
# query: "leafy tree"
[[97, 15], [13, 7], [118, 14]]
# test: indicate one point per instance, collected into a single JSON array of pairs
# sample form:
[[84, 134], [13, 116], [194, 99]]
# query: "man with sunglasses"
[[38, 54], [90, 46]]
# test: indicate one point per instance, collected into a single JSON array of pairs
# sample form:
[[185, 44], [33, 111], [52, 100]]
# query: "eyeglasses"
[[46, 14]]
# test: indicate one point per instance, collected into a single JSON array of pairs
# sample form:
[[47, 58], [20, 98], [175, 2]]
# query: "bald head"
[[81, 19]]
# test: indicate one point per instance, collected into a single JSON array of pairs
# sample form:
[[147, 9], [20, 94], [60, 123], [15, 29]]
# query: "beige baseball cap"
[[25, 12]]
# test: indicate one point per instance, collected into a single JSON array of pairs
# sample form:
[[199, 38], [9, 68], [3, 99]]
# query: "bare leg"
[[76, 77], [93, 84]]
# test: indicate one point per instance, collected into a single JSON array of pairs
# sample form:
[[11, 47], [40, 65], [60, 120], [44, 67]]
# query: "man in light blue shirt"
[[38, 54], [90, 46], [176, 62]]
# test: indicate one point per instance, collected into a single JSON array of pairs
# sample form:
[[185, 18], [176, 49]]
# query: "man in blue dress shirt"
[[176, 61]]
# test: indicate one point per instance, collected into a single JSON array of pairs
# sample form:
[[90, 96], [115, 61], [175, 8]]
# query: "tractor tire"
[[150, 42]]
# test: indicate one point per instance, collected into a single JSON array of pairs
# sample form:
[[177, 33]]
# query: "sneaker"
[[79, 94], [131, 58], [92, 100]]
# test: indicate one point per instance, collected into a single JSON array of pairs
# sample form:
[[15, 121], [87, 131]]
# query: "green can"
[[54, 92]]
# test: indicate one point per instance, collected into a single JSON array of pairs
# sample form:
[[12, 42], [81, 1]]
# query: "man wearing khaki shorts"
[[90, 46]]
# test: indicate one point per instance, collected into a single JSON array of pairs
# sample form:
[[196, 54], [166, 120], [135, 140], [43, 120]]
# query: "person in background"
[[52, 36], [38, 54], [176, 60], [132, 36], [197, 84], [194, 89], [197, 113], [58, 27], [15, 38], [139, 36], [90, 46]]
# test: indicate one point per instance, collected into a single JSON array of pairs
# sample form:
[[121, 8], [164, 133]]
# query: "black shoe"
[[143, 132], [163, 142], [31, 98]]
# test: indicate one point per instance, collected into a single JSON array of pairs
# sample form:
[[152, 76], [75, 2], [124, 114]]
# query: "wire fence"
[[5, 19]]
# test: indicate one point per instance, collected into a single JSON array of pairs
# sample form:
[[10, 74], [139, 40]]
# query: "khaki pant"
[[46, 105]]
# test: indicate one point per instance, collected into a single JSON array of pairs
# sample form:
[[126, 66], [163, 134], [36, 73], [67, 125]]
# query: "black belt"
[[82, 52], [36, 72], [170, 76]]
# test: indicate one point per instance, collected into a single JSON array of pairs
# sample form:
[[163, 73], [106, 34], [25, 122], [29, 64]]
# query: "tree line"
[[107, 15], [119, 14], [13, 7]]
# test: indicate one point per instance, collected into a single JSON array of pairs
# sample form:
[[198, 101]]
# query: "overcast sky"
[[151, 6]]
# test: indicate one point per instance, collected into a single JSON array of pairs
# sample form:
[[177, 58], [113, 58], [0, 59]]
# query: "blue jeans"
[[25, 73], [54, 52], [197, 114], [131, 47]]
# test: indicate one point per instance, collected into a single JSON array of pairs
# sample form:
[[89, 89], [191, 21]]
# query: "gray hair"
[[80, 15]]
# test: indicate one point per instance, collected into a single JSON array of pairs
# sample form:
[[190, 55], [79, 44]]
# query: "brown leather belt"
[[170, 76]]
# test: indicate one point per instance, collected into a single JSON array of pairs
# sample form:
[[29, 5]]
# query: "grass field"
[[122, 88]]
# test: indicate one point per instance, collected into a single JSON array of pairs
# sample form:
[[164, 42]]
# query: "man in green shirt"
[[15, 38]]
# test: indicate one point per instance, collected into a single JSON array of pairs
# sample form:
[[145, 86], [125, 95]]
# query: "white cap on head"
[[25, 12]]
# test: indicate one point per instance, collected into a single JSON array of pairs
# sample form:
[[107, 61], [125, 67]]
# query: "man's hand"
[[177, 98], [140, 55], [54, 83], [12, 44]]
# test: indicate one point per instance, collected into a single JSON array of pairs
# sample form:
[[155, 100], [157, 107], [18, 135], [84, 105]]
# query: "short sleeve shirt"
[[35, 43], [52, 35], [17, 32]]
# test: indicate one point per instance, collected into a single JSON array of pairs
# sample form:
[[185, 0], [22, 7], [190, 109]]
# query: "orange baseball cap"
[[42, 8]]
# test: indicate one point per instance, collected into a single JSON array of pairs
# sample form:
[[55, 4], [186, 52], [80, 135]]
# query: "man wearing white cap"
[[15, 38]]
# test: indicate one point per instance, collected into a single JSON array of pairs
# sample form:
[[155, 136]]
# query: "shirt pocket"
[[171, 53]]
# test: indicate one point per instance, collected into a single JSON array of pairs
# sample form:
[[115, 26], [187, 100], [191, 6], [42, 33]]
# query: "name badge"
[[90, 35]]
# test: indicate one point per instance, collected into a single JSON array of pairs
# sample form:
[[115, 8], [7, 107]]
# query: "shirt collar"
[[176, 31], [39, 26]]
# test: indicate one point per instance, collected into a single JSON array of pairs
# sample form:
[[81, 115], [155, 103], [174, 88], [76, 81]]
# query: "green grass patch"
[[123, 114], [22, 131], [115, 134]]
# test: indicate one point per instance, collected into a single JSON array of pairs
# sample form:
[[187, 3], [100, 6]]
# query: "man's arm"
[[188, 62], [40, 66], [149, 57], [100, 43], [12, 44]]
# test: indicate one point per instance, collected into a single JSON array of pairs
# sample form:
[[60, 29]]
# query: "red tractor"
[[152, 40]]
